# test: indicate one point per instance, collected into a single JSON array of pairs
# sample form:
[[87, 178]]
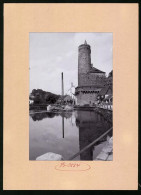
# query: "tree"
[[42, 97]]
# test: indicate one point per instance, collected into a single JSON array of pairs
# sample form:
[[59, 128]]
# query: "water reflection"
[[83, 127], [63, 126], [91, 126], [40, 116]]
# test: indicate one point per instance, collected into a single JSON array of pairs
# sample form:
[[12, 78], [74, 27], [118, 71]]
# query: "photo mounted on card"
[[72, 70], [71, 100]]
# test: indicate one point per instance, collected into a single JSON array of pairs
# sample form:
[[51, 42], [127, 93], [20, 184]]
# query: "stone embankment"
[[106, 153], [107, 114]]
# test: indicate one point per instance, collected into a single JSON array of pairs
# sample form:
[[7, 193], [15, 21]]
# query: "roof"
[[89, 87], [31, 97], [109, 97], [104, 90], [64, 98], [95, 70], [68, 98], [110, 74], [85, 42], [61, 97]]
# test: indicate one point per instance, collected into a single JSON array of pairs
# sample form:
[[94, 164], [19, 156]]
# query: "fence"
[[107, 106]]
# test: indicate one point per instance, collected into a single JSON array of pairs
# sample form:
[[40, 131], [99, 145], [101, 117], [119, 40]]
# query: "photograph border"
[[2, 69]]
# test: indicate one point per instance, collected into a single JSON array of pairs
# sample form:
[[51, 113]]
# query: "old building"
[[105, 96], [66, 99], [90, 79], [105, 93]]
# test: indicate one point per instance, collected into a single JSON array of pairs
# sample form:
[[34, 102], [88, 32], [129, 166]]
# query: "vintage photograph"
[[71, 96]]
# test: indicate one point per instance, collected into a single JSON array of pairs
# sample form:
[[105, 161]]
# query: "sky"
[[53, 53]]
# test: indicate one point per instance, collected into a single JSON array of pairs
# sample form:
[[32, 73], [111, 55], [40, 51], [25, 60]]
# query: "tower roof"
[[104, 90], [85, 42], [95, 70]]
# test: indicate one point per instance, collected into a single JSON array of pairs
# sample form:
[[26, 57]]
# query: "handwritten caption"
[[69, 165], [75, 166]]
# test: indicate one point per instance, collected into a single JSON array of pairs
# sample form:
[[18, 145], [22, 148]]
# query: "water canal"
[[66, 133]]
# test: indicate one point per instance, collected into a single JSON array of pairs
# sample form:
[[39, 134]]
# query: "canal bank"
[[106, 153], [107, 114]]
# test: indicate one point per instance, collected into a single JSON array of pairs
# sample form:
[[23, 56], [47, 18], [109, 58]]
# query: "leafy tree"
[[42, 97]]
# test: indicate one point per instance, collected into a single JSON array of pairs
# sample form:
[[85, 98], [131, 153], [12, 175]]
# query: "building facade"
[[90, 79]]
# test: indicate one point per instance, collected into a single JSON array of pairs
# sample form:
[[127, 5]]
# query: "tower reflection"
[[91, 125]]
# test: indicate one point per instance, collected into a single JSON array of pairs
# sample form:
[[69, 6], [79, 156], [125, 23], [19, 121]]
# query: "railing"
[[106, 106], [90, 145]]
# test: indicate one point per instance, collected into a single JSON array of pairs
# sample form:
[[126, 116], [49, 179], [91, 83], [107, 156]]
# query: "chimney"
[[62, 85]]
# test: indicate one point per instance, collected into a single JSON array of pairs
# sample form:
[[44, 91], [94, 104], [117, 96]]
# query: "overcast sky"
[[53, 53]]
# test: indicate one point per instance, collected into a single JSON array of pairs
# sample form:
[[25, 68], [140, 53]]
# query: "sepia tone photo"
[[71, 97]]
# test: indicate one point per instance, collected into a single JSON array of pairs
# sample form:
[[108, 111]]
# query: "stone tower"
[[84, 62], [90, 79]]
